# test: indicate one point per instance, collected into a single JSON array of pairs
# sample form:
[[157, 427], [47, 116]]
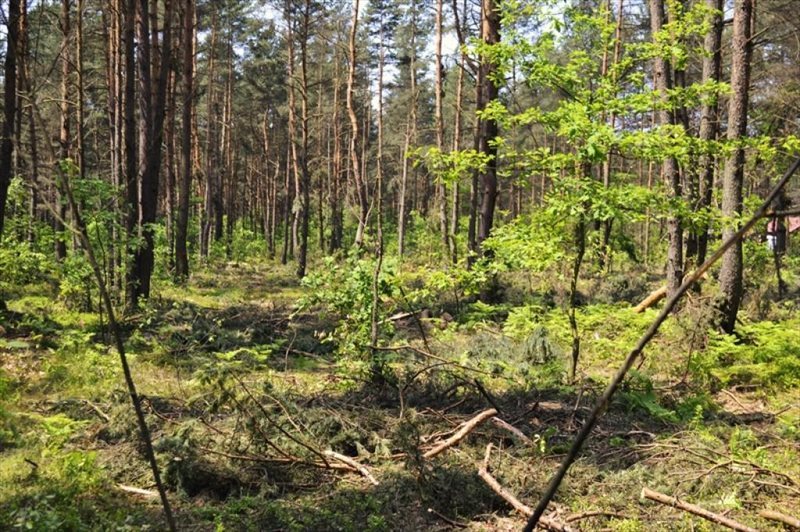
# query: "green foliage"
[[344, 290], [766, 353], [22, 264], [77, 287]]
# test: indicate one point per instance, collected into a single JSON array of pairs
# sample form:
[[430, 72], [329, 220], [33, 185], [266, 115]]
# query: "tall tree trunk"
[[490, 34], [605, 255], [730, 275], [170, 165], [663, 84], [210, 193], [114, 73], [402, 200], [64, 136], [24, 82], [80, 122], [377, 367], [439, 119], [358, 178], [410, 140], [152, 107], [9, 106], [181, 230], [334, 197], [709, 117], [130, 141], [455, 202]]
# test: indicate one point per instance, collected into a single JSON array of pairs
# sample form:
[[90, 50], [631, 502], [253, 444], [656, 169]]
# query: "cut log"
[[696, 510], [462, 433]]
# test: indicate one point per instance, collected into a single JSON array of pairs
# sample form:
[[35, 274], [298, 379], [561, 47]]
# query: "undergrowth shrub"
[[21, 265], [765, 353], [77, 288], [344, 291]]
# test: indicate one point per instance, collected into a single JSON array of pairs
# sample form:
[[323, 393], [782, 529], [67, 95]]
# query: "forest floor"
[[243, 398]]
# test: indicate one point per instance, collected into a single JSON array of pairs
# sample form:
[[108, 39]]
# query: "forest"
[[368, 265]]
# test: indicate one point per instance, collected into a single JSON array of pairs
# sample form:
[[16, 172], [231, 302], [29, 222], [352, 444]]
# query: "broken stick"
[[512, 429], [696, 510], [468, 427], [483, 472], [352, 463], [138, 491]]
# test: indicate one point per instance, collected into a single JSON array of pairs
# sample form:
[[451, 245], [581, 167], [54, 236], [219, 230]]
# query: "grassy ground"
[[242, 396]]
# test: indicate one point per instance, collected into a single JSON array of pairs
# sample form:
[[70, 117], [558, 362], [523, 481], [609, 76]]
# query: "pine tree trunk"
[[490, 34], [184, 192], [358, 178], [663, 84], [709, 117], [439, 119], [64, 137], [730, 275], [9, 108]]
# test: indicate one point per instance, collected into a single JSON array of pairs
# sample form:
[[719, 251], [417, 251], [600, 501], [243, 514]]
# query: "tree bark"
[[730, 275], [663, 84], [184, 192], [709, 117], [358, 178], [152, 107], [64, 136], [9, 105], [439, 119], [487, 129]]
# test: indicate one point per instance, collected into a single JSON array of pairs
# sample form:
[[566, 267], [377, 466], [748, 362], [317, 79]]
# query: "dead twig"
[[447, 519], [696, 510], [361, 468], [468, 427]]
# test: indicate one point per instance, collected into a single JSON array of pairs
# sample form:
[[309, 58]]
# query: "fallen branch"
[[483, 472], [512, 429], [352, 463], [654, 297], [287, 460], [98, 411], [468, 427], [657, 295], [635, 353], [787, 520], [594, 513], [138, 491], [696, 510]]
